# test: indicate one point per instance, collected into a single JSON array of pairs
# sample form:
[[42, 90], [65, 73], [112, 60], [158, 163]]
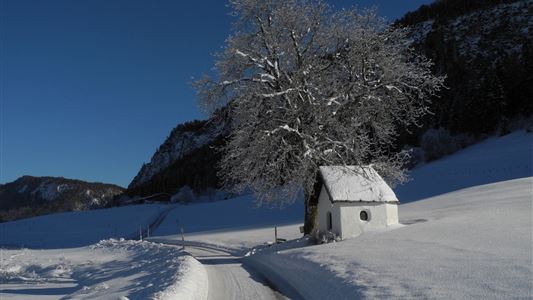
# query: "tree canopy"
[[310, 86]]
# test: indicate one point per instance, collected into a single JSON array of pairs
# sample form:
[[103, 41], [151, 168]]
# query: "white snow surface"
[[75, 229], [493, 160], [471, 244], [50, 191], [356, 184], [236, 212], [110, 269], [471, 241], [466, 239]]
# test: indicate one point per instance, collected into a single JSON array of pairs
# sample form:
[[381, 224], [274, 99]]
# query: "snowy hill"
[[82, 228], [31, 196], [475, 243], [493, 160], [236, 212], [471, 240], [83, 255]]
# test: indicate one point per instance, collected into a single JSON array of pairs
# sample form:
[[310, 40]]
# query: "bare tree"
[[310, 86]]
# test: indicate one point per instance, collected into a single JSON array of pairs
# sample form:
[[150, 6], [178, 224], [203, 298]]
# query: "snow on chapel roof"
[[356, 184]]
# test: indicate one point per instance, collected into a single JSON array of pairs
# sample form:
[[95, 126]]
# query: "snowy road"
[[230, 279]]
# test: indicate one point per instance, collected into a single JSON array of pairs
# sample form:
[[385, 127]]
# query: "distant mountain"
[[31, 196], [484, 47]]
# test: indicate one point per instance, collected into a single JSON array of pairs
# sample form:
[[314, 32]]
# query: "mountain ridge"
[[30, 196]]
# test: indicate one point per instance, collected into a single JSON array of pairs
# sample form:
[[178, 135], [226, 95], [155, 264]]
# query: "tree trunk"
[[311, 206]]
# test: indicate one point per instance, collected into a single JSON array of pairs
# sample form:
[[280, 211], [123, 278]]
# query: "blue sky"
[[90, 89]]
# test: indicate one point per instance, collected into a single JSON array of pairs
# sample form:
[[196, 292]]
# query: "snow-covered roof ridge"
[[355, 184]]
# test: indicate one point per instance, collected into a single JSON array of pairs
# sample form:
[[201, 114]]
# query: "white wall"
[[345, 216], [351, 223], [325, 206], [392, 213], [381, 215]]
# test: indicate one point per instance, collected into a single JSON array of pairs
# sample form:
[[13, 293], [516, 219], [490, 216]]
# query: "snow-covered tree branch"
[[310, 86]]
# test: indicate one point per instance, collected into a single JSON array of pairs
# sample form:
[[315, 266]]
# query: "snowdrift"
[[109, 269]]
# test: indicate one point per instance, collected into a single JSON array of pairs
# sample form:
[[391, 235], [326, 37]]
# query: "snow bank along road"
[[227, 276], [111, 269]]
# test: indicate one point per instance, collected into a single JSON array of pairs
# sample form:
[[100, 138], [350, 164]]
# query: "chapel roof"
[[356, 184]]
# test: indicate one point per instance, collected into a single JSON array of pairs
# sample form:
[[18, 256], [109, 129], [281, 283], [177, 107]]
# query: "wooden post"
[[182, 240], [276, 238], [140, 233], [148, 231]]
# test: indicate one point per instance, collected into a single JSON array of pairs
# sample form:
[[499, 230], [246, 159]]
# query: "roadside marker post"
[[182, 240], [276, 238]]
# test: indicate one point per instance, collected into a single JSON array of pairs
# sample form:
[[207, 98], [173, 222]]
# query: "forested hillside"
[[188, 157], [485, 50], [30, 196]]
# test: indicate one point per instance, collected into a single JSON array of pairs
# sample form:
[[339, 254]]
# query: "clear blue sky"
[[89, 89]]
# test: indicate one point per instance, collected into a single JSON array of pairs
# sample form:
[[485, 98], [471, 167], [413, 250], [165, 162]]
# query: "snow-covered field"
[[236, 212], [495, 159], [471, 244], [109, 269], [75, 229], [471, 239]]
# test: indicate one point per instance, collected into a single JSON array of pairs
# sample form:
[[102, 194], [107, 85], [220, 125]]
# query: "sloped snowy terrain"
[[235, 212], [75, 229], [470, 244], [495, 159], [471, 241], [110, 269], [64, 264]]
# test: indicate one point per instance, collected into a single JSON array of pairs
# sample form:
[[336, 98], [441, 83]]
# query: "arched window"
[[330, 221], [363, 215]]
